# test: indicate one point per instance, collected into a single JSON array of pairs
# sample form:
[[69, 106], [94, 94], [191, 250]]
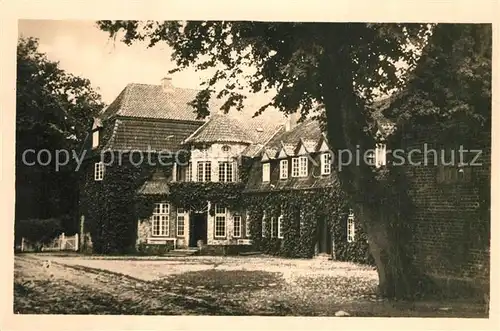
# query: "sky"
[[84, 50]]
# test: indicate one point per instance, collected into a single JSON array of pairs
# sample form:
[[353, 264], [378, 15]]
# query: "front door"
[[324, 237], [197, 228]]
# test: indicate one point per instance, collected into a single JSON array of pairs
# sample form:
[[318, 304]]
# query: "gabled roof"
[[322, 145], [221, 128], [285, 151], [306, 146], [97, 123], [156, 185], [237, 127], [268, 154], [149, 134], [152, 101], [309, 131]]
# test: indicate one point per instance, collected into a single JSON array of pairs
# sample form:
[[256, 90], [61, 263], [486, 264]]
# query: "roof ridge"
[[185, 141], [159, 85]]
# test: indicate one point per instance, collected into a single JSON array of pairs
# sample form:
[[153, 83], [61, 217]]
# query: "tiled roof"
[[144, 134], [152, 101], [310, 145], [222, 128], [309, 130], [236, 127], [252, 150], [157, 184], [138, 103]]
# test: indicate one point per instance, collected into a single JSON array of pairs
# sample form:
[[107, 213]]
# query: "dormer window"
[[299, 166], [303, 166], [295, 167], [380, 155], [351, 229], [266, 172], [326, 163], [377, 157], [283, 169], [95, 139], [96, 127]]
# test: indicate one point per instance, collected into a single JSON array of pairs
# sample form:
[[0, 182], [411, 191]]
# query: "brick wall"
[[451, 218]]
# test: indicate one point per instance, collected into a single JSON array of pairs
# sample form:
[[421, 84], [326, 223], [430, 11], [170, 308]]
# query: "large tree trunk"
[[389, 247], [379, 204]]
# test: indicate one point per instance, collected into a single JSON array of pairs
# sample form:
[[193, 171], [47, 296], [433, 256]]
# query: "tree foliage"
[[54, 111], [452, 82], [335, 70], [287, 56]]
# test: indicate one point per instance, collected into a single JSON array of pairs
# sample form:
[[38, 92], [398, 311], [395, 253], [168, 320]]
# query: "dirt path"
[[209, 286], [63, 289]]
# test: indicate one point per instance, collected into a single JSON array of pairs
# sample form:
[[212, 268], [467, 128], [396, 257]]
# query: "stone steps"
[[182, 252]]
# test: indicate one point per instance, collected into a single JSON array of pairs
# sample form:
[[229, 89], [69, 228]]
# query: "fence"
[[61, 243]]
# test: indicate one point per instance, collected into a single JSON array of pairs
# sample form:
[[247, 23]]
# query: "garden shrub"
[[38, 230]]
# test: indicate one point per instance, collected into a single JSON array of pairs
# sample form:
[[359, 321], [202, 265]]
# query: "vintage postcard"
[[222, 167]]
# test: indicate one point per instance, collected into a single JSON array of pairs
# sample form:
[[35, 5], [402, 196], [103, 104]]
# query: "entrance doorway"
[[325, 241], [197, 228]]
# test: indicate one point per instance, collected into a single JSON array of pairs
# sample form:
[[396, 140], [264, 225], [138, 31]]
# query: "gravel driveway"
[[207, 286]]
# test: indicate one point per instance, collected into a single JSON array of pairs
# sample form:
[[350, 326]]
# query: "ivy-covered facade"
[[156, 178], [297, 207]]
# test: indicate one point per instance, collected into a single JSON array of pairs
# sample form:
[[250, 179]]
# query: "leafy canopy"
[[287, 57], [51, 103], [54, 111]]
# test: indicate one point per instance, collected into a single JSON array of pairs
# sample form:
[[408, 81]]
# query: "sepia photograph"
[[252, 168]]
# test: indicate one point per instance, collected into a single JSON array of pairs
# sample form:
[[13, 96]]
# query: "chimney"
[[291, 120], [166, 84]]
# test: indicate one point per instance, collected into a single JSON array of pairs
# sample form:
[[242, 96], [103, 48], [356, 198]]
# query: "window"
[[237, 226], [99, 171], [453, 174], [247, 224], [303, 166], [95, 139], [226, 148], [283, 169], [295, 167], [225, 171], [280, 225], [264, 225], [326, 163], [189, 172], [204, 171], [220, 221], [370, 157], [266, 172], [350, 227], [380, 155], [181, 221], [274, 227], [160, 219]]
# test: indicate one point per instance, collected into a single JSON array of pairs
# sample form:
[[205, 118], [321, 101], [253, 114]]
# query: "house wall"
[[214, 153], [229, 239], [144, 230], [451, 219]]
